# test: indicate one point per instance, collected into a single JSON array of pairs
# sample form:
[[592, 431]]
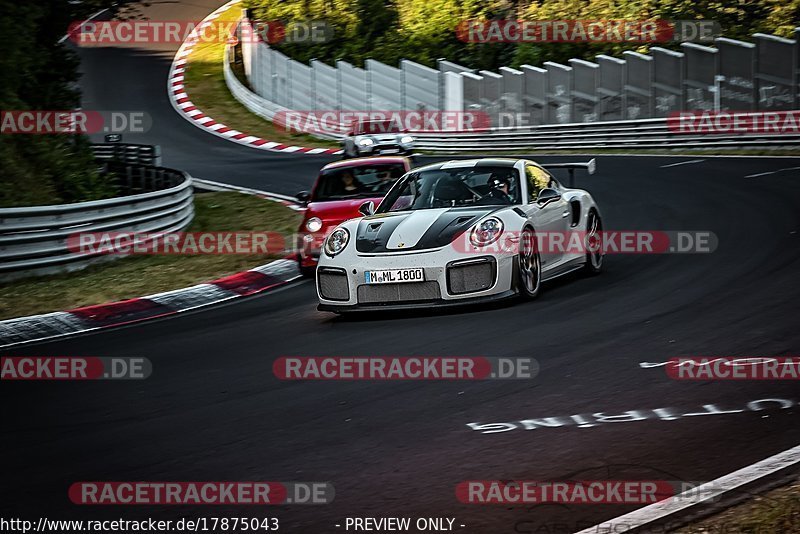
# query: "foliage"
[[38, 73], [424, 30]]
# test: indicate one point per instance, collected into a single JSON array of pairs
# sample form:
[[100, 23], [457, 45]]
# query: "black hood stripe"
[[371, 238]]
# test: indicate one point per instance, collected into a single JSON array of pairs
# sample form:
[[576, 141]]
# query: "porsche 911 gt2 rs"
[[433, 241]]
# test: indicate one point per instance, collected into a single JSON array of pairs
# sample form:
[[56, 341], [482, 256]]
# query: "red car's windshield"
[[357, 182]]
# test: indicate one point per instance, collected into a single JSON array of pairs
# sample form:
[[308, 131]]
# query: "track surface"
[[213, 411]]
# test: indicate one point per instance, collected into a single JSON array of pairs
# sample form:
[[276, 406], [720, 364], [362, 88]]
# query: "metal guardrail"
[[633, 134], [33, 240]]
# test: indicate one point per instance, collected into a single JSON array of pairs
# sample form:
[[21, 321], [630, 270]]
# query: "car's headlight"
[[406, 140], [314, 224], [336, 242], [365, 142], [486, 232]]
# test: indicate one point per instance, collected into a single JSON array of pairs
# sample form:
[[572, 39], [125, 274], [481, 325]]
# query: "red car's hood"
[[336, 211]]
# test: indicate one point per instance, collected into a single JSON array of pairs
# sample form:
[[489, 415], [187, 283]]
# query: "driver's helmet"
[[499, 179]]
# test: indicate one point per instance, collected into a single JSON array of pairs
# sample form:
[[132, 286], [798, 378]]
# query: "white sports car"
[[460, 232]]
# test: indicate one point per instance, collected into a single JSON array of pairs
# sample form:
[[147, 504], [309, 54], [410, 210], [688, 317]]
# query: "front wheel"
[[306, 272], [530, 266], [594, 243]]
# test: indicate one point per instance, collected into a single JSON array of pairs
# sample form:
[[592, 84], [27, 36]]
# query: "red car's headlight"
[[314, 224]]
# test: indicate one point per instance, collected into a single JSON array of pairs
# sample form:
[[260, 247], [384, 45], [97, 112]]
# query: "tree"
[[41, 74]]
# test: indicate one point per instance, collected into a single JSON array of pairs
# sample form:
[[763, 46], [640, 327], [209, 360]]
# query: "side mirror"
[[546, 195], [367, 208], [303, 196]]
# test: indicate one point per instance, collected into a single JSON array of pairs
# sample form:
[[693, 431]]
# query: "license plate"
[[389, 151], [394, 276]]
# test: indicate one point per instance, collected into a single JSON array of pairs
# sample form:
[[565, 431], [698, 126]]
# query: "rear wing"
[[590, 167]]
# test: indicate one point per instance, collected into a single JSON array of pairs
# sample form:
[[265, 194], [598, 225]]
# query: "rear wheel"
[[530, 266], [594, 243]]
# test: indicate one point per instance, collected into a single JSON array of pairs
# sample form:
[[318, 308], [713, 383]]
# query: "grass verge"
[[206, 87], [775, 511], [142, 275]]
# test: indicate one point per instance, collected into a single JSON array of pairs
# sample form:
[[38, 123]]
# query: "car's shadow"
[[422, 311]]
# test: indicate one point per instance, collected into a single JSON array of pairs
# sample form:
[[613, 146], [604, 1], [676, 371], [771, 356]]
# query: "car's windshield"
[[377, 127], [465, 186], [357, 182]]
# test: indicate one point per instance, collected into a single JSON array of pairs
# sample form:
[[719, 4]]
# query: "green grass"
[[775, 511], [142, 275], [205, 84]]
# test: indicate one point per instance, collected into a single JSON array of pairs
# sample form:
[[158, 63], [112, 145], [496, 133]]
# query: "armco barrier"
[[633, 134], [33, 240]]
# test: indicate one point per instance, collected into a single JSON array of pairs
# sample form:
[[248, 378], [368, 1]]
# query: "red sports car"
[[341, 188]]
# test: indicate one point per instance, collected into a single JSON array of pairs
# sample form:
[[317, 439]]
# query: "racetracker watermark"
[[734, 368], [737, 122], [404, 368], [581, 242], [199, 524], [74, 368], [116, 32], [526, 492], [587, 31], [73, 122], [201, 493], [564, 492], [178, 243], [381, 122]]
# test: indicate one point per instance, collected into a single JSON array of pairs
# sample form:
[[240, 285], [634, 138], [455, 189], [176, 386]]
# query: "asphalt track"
[[212, 409]]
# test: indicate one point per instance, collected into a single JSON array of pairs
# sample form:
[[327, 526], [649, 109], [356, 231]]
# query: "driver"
[[349, 183], [499, 187]]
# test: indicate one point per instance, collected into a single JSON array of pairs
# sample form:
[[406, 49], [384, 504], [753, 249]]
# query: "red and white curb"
[[65, 323], [183, 105]]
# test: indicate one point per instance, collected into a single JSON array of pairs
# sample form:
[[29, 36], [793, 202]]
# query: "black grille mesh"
[[470, 278]]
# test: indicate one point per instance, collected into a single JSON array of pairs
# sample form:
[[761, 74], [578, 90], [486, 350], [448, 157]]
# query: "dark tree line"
[[38, 73]]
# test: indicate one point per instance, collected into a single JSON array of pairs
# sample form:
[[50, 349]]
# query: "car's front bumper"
[[384, 149], [450, 279]]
